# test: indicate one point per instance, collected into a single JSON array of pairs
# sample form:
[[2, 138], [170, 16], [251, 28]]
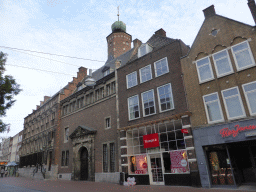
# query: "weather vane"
[[118, 12]]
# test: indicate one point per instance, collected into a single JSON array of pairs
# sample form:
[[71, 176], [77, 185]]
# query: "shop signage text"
[[139, 172], [151, 140], [226, 132], [184, 131]]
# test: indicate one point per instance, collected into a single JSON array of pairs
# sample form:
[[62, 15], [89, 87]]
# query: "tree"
[[8, 89]]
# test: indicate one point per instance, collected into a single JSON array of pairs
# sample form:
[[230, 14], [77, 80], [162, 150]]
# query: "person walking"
[[2, 172]]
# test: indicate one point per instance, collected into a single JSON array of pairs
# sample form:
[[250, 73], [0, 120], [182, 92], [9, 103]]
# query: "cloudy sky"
[[79, 28]]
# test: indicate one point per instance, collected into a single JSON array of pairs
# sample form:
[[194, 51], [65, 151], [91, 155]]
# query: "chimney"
[[252, 6], [209, 12], [161, 32], [136, 43]]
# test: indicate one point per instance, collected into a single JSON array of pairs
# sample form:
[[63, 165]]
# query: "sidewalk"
[[77, 186]]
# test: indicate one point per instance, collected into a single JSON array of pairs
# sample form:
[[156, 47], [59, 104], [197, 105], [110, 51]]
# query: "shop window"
[[250, 95], [222, 63], [165, 98], [204, 70], [161, 67], [233, 103], [131, 79], [138, 164], [145, 74], [148, 101], [133, 107], [213, 108], [243, 55]]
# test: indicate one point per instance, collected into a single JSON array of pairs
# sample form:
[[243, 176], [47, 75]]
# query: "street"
[[22, 184]]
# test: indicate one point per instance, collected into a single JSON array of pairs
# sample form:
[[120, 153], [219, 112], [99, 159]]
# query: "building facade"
[[155, 135], [88, 131], [220, 81]]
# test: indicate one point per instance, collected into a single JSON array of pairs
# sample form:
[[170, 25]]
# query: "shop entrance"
[[243, 159], [156, 169]]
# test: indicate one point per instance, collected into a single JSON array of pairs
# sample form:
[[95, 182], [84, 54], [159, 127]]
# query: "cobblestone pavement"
[[21, 184]]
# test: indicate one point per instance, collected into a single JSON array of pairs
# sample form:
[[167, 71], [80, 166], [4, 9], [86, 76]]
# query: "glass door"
[[156, 169]]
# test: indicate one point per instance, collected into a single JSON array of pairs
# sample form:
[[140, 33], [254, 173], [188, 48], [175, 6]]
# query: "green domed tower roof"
[[118, 26]]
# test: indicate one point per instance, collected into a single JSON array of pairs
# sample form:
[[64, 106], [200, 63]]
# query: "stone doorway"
[[84, 164]]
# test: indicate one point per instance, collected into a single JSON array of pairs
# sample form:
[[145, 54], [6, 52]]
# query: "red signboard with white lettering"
[[184, 131], [226, 132], [151, 140]]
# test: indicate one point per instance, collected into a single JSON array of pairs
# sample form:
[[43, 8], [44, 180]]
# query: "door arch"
[[84, 164]]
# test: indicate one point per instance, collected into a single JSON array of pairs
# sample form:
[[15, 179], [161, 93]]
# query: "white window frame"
[[166, 64], [143, 103], [127, 76], [250, 53], [65, 135], [240, 100], [148, 49], [150, 73], [229, 63], [107, 127], [205, 107], [246, 97], [129, 107], [171, 99], [199, 77]]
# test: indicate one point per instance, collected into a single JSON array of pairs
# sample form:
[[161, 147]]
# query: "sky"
[[79, 28]]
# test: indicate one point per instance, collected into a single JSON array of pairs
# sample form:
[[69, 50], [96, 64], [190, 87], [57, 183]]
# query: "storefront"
[[226, 154], [157, 154]]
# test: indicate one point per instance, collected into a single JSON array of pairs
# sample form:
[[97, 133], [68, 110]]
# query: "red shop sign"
[[184, 131], [151, 140], [226, 132]]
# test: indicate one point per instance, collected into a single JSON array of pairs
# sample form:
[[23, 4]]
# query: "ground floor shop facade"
[[226, 154], [159, 153]]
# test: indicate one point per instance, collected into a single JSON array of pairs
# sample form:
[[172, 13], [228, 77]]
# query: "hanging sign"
[[226, 132], [151, 140], [184, 131]]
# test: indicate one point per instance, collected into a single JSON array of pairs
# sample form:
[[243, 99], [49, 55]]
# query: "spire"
[[118, 13]]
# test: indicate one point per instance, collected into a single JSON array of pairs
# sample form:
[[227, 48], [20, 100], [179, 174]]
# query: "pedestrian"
[[6, 172], [2, 172]]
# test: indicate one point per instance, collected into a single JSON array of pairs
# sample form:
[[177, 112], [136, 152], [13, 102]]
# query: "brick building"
[[153, 115], [220, 81], [41, 130], [88, 130]]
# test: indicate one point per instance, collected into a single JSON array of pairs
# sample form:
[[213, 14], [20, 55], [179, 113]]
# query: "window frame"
[[250, 53], [65, 135], [229, 62], [159, 103], [198, 74], [105, 163], [246, 97], [127, 76], [207, 113], [143, 103], [129, 107], [240, 100], [106, 118], [150, 73], [166, 65]]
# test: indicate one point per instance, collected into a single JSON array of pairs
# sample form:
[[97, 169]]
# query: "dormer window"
[[105, 73], [144, 49]]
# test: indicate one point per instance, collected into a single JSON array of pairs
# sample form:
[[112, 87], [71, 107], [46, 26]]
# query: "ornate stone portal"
[[83, 137]]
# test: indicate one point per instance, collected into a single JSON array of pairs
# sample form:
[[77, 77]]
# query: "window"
[[222, 63], [133, 107], [65, 158], [148, 101], [107, 122], [250, 95], [144, 49], [243, 55], [131, 79], [66, 135], [112, 157], [97, 93], [165, 97], [213, 108], [113, 85], [105, 158], [108, 89], [233, 103], [105, 73], [161, 67], [145, 74], [204, 70]]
